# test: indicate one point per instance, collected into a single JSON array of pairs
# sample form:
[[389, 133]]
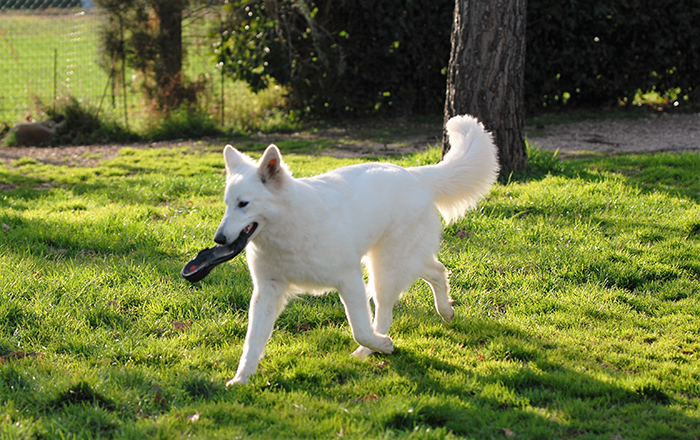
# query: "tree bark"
[[486, 73], [168, 41]]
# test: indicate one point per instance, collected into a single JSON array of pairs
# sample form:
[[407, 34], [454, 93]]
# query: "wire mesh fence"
[[48, 49]]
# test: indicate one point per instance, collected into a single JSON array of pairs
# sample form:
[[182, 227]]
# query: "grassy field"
[[578, 315]]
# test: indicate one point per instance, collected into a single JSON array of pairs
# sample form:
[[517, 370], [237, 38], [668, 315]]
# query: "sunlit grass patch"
[[577, 289]]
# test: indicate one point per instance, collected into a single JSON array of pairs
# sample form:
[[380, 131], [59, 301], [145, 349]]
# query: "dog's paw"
[[236, 381], [385, 345], [361, 352], [448, 316]]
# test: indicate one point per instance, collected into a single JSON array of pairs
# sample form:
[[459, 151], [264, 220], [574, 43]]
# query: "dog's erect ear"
[[232, 158], [270, 165]]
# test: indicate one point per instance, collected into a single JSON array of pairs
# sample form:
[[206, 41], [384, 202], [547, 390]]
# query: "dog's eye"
[[242, 204]]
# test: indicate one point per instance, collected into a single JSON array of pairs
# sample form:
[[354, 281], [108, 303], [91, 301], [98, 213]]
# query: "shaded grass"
[[577, 289]]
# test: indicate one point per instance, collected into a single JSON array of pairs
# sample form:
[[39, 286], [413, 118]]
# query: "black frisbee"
[[200, 266]]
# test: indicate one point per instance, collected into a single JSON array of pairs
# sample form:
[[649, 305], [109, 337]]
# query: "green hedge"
[[598, 53], [343, 56], [374, 56]]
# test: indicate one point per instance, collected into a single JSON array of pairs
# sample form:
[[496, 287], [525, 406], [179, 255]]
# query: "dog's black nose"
[[220, 238]]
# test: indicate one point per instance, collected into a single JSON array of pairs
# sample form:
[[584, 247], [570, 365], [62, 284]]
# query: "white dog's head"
[[250, 192]]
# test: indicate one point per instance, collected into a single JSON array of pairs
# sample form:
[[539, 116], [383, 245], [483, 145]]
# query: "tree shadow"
[[42, 240], [520, 389], [674, 174]]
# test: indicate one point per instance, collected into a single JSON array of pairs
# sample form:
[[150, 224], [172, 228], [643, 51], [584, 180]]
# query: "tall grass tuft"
[[84, 126], [183, 124]]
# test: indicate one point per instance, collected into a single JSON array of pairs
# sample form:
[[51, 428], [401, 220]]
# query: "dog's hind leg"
[[354, 297], [266, 303], [436, 276]]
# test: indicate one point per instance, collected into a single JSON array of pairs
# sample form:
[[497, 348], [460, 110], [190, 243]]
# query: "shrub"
[[183, 124], [360, 57], [84, 125], [352, 57], [593, 53]]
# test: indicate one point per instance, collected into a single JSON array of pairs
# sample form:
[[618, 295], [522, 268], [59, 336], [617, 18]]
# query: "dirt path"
[[656, 133]]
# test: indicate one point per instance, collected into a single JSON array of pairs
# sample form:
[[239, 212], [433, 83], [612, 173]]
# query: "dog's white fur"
[[314, 234]]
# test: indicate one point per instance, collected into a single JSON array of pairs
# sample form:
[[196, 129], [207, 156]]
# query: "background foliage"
[[602, 52], [324, 58], [344, 56], [389, 56]]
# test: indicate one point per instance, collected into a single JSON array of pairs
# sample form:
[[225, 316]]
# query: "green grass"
[[578, 314]]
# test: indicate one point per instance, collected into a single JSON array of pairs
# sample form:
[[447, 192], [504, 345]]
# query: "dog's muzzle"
[[220, 237]]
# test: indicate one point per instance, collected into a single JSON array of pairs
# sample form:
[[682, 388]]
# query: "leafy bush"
[[359, 57], [266, 109], [84, 125], [590, 53], [353, 57]]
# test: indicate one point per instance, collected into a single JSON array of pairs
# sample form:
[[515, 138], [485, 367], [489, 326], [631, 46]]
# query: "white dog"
[[314, 234]]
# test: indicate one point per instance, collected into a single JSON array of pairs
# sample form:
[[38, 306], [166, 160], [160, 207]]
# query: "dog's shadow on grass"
[[669, 173]]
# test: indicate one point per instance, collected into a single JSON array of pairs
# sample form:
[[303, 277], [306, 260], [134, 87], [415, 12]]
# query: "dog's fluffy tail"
[[466, 172]]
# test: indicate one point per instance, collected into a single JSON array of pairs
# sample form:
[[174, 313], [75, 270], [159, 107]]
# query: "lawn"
[[577, 316]]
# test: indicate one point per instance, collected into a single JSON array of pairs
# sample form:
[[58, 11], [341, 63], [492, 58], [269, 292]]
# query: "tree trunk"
[[168, 43], [486, 73], [169, 39]]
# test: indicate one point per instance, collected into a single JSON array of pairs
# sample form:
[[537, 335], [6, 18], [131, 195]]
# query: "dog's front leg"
[[357, 309], [266, 304]]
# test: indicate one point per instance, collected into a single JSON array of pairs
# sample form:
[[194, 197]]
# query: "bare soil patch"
[[662, 132], [656, 133]]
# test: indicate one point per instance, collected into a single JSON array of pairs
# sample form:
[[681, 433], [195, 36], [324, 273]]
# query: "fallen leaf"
[[194, 417], [382, 364], [157, 397], [462, 234], [181, 325], [17, 355], [480, 357], [6, 227]]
